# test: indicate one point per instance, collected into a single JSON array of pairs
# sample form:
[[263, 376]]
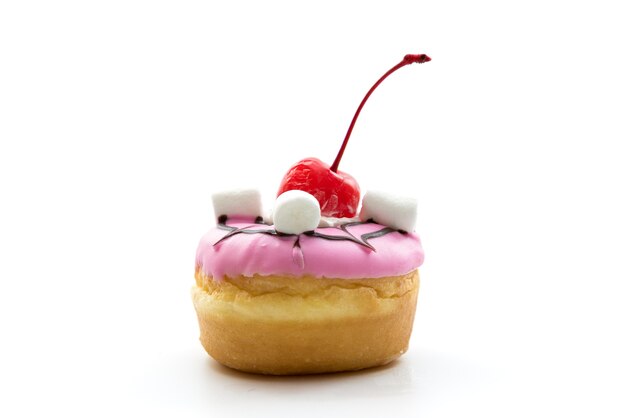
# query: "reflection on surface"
[[418, 375], [381, 381], [419, 381]]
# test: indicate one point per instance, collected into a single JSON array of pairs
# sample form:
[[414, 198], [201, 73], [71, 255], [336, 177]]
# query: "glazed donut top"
[[243, 247]]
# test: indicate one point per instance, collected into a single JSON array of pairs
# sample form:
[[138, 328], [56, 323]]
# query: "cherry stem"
[[408, 59]]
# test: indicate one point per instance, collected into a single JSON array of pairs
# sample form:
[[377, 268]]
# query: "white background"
[[119, 118]]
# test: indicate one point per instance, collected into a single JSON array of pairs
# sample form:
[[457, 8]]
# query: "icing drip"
[[297, 255]]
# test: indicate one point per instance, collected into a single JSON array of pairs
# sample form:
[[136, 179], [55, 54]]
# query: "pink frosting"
[[249, 254]]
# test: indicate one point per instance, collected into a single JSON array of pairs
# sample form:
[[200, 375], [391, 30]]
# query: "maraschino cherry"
[[337, 192]]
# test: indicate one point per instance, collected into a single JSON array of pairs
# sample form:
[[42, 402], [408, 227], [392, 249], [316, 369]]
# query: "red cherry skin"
[[338, 193]]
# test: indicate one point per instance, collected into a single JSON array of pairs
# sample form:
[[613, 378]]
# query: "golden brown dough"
[[285, 325]]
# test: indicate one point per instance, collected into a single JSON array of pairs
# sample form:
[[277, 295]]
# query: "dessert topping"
[[337, 192]]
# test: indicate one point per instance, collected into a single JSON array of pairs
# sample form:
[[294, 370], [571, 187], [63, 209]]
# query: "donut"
[[337, 298], [314, 289]]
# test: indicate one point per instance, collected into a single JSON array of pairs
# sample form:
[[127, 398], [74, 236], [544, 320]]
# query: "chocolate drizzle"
[[245, 230], [363, 240], [376, 234]]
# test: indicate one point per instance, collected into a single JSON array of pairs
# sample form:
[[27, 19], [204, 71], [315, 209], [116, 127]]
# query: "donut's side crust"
[[284, 325]]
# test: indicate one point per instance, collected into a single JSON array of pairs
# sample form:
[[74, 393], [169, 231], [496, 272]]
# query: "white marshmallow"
[[268, 217], [237, 202], [296, 212], [398, 212]]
